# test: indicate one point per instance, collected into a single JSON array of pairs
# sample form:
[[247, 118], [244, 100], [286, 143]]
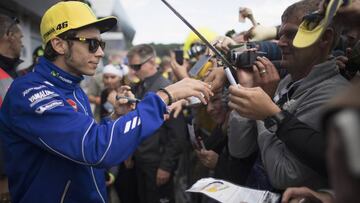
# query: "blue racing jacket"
[[54, 149]]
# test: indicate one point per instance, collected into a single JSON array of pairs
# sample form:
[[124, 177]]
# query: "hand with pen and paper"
[[227, 192], [209, 151], [208, 158], [123, 101], [196, 141]]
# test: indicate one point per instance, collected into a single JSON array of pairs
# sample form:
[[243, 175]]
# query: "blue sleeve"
[[55, 126]]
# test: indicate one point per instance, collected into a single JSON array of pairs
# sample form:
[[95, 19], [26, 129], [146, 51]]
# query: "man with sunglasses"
[[156, 158], [10, 49], [54, 149]]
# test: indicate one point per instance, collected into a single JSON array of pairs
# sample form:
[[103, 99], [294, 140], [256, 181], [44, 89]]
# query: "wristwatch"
[[272, 122]]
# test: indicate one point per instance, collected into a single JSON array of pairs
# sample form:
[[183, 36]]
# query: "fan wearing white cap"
[[112, 76], [112, 79]]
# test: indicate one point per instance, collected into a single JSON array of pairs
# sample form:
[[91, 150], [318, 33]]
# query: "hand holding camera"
[[266, 75]]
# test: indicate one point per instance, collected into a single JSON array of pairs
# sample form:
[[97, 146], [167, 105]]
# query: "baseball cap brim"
[[105, 24], [306, 37]]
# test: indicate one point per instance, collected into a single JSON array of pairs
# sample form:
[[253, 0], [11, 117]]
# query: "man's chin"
[[90, 73], [284, 64]]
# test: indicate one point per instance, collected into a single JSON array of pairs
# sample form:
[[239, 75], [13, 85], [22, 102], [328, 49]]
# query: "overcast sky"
[[154, 22]]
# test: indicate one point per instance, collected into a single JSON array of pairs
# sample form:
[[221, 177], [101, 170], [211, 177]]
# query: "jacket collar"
[[56, 75], [150, 80], [318, 74], [9, 65]]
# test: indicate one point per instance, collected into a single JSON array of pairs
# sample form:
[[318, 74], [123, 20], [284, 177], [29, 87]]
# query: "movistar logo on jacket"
[[56, 74]]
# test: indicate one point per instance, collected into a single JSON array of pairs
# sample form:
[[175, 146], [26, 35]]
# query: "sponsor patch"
[[56, 74], [41, 109], [72, 103], [49, 32], [31, 89], [40, 95]]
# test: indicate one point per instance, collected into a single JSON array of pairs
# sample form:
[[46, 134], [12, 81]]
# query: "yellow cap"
[[68, 15], [306, 36]]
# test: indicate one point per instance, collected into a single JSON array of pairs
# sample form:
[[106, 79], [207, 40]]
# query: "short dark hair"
[[300, 9], [144, 51], [50, 53], [7, 24]]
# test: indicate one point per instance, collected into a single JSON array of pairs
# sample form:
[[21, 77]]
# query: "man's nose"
[[99, 52]]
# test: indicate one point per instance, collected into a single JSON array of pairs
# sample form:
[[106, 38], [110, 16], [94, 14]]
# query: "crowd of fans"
[[283, 128]]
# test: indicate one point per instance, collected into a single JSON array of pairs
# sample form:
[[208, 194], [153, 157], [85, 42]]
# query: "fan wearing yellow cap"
[[294, 101], [54, 149], [315, 24]]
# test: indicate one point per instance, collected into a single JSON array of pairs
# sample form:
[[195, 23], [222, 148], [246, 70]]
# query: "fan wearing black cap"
[[54, 149]]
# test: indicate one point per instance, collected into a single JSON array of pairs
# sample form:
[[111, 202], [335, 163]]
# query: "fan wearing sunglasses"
[[150, 162], [10, 49], [10, 38], [10, 44], [52, 144]]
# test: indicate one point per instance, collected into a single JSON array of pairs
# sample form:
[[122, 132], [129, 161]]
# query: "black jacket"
[[161, 150], [9, 65]]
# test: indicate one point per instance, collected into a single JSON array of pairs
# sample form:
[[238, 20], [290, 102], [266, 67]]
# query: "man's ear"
[[327, 39], [9, 36], [59, 45], [153, 61]]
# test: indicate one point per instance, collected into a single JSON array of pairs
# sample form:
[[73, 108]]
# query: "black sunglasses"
[[94, 44], [137, 67], [15, 21]]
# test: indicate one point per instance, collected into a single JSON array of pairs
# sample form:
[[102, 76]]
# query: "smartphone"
[[194, 71], [179, 56]]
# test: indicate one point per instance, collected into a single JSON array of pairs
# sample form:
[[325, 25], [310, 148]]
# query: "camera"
[[245, 55], [196, 50], [243, 59]]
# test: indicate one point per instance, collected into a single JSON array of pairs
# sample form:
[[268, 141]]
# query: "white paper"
[[224, 191]]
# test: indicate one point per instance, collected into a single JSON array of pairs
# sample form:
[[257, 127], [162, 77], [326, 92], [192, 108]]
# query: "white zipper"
[[96, 186], [65, 191], [80, 103]]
